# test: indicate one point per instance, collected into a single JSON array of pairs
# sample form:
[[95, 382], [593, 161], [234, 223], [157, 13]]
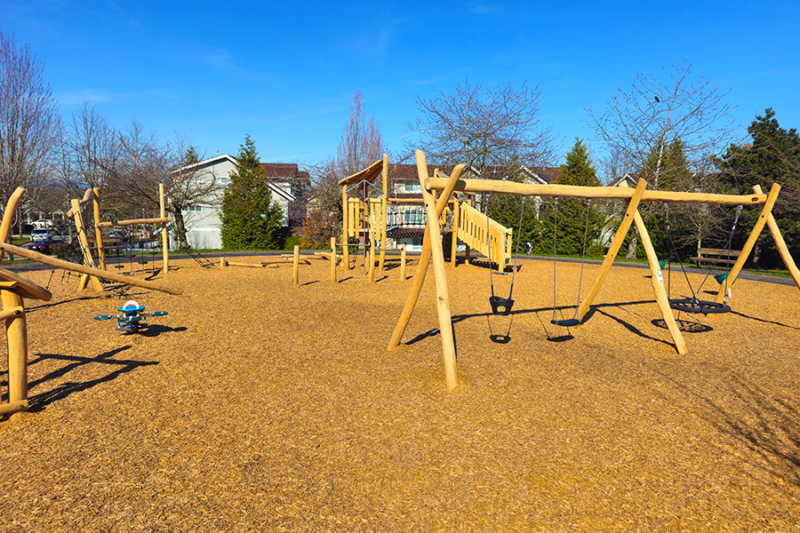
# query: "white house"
[[203, 224]]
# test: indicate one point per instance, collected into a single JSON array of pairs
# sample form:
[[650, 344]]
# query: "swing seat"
[[693, 305], [567, 323], [501, 306], [500, 339]]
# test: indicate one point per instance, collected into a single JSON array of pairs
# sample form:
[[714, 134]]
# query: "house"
[[203, 224]]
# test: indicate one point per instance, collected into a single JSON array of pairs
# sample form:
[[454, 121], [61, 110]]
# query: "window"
[[223, 181], [413, 187]]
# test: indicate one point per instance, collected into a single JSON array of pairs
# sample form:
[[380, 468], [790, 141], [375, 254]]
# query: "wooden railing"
[[475, 233]]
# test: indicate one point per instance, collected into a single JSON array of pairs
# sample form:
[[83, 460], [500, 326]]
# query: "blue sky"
[[286, 74]]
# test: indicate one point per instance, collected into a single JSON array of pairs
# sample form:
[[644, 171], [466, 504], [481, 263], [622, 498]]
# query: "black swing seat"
[[568, 323], [693, 305], [501, 306]]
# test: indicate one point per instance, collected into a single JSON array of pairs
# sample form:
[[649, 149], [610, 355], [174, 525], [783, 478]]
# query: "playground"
[[261, 405]]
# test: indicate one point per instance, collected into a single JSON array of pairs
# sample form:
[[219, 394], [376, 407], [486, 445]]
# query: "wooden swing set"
[[13, 291], [432, 248]]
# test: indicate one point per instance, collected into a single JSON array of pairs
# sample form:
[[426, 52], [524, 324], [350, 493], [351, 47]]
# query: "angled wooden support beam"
[[422, 266], [613, 250], [781, 245], [442, 296], [74, 267], [8, 216], [766, 212]]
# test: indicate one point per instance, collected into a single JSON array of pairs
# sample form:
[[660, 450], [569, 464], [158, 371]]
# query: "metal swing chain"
[[555, 236], [489, 242], [728, 247], [587, 203], [516, 248], [677, 255]]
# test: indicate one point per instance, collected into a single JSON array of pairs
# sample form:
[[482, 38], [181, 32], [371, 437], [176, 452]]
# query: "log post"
[[333, 260], [613, 250], [454, 243], [422, 266], [17, 334], [766, 211], [101, 252], [296, 266], [442, 296], [781, 245], [164, 234], [384, 210], [403, 263], [87, 253], [345, 230]]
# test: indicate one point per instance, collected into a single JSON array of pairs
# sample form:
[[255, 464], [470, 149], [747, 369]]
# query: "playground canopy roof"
[[369, 174]]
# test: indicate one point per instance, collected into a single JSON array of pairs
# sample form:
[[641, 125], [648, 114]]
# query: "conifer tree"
[[772, 157], [572, 212], [250, 220]]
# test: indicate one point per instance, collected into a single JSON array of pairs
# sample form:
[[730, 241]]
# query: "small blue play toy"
[[132, 318]]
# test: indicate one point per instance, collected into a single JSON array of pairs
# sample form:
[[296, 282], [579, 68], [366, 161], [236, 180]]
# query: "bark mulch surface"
[[256, 406]]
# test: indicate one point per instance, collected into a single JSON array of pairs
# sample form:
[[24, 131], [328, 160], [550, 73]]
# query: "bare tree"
[[29, 120], [361, 143], [360, 146], [189, 184], [484, 127], [656, 111]]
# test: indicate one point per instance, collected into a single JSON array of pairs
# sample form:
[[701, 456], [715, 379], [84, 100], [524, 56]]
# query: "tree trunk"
[[632, 244], [180, 228]]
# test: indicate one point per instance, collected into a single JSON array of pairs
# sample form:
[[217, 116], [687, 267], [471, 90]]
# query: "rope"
[[708, 273]]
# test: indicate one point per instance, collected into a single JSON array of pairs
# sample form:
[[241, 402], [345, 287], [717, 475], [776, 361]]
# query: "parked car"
[[39, 234], [51, 245], [119, 234]]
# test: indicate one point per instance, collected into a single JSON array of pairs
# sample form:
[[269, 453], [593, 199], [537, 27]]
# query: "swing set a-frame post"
[[425, 257]]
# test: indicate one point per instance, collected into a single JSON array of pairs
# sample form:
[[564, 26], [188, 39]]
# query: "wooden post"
[[333, 260], [164, 234], [403, 263], [781, 245], [384, 210], [222, 262], [454, 243], [87, 253], [633, 205], [101, 252], [371, 256], [422, 267], [345, 229], [766, 212], [657, 278], [17, 334], [442, 296], [296, 267]]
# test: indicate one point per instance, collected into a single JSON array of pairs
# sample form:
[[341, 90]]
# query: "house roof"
[[630, 178], [280, 171]]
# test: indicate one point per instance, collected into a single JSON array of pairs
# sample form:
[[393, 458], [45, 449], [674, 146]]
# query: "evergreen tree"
[[572, 212], [772, 157], [250, 220]]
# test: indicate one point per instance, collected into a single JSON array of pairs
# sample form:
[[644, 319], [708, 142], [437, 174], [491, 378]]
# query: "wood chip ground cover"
[[256, 406]]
